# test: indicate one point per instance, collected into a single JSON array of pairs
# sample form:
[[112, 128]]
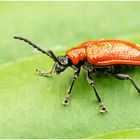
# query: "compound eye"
[[64, 61]]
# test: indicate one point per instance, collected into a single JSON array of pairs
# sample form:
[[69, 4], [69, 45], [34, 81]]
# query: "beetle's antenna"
[[49, 53]]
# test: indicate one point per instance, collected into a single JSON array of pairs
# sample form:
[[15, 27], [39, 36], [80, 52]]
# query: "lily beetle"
[[94, 56]]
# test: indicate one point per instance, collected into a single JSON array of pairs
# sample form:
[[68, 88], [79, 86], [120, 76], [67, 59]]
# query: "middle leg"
[[101, 104]]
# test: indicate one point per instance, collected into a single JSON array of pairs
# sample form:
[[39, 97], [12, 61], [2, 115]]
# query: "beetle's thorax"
[[76, 55]]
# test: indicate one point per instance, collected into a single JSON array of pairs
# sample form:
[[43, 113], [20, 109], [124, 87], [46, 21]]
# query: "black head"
[[62, 63]]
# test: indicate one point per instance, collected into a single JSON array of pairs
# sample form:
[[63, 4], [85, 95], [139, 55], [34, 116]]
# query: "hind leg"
[[126, 77]]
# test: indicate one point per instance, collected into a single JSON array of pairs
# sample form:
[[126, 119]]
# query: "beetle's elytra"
[[94, 56]]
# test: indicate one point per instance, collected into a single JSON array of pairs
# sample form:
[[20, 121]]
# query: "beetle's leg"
[[75, 75], [126, 77], [101, 104], [45, 74]]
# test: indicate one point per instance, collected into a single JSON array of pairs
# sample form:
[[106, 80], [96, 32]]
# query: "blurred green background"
[[61, 25], [30, 106]]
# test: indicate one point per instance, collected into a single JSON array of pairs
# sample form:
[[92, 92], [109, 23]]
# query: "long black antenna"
[[49, 53]]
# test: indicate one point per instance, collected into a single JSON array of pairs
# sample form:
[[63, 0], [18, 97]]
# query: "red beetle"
[[95, 56]]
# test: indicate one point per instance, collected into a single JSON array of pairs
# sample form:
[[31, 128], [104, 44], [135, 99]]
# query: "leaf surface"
[[31, 106]]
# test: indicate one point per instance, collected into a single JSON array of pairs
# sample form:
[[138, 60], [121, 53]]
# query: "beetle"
[[94, 56]]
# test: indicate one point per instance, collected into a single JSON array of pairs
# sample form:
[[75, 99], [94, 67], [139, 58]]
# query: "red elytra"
[[106, 52]]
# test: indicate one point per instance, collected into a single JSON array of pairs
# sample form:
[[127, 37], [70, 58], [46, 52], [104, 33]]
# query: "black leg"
[[67, 98], [91, 82], [126, 77], [45, 74]]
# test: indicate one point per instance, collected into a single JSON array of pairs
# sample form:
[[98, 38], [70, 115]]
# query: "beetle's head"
[[62, 63]]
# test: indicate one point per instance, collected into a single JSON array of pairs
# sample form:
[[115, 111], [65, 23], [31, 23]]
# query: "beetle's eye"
[[64, 61]]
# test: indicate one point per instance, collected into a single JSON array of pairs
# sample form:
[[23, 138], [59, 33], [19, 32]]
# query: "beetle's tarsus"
[[102, 108], [66, 101], [42, 73]]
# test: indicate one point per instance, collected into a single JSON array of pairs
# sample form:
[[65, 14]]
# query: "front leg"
[[75, 75], [101, 104], [44, 73]]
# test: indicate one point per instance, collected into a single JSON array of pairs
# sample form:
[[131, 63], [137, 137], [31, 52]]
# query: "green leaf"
[[133, 133], [62, 25], [31, 106]]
